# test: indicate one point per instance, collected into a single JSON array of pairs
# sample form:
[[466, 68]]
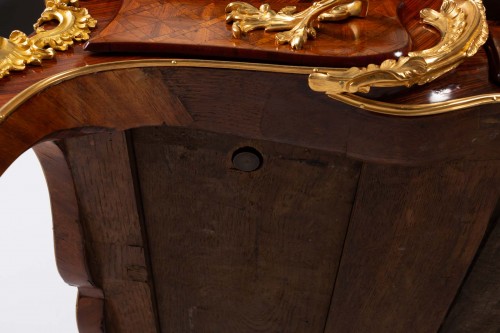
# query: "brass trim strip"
[[357, 101], [414, 110], [7, 109]]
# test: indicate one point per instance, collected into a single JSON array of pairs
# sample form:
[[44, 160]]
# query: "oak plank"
[[476, 308], [233, 251], [413, 235], [115, 246], [69, 242]]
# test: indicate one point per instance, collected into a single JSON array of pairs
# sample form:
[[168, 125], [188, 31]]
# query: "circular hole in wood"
[[247, 159]]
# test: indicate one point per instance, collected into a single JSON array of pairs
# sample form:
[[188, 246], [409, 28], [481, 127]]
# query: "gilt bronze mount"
[[19, 50], [295, 27]]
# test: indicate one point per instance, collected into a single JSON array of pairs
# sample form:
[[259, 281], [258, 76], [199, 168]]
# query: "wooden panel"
[[242, 252], [69, 243], [115, 247], [413, 235], [197, 28], [477, 308]]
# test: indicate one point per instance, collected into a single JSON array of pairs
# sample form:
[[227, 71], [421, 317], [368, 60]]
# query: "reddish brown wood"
[[411, 239], [476, 307], [235, 251], [68, 237], [90, 315], [103, 11], [198, 29], [94, 104], [113, 237], [192, 97], [423, 36]]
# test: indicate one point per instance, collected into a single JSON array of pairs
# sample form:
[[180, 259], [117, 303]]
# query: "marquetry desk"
[[209, 176]]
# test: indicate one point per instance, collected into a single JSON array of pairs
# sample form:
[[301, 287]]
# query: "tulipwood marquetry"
[[198, 29]]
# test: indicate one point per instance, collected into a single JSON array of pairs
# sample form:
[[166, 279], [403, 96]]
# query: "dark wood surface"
[[69, 246], [116, 250], [493, 48], [198, 29], [411, 239], [476, 307], [235, 251]]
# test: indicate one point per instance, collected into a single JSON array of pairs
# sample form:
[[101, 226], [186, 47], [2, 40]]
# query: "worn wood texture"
[[242, 252], [68, 237], [113, 236], [411, 239], [477, 307], [90, 315], [197, 28]]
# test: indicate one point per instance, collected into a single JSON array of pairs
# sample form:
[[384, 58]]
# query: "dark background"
[[19, 15]]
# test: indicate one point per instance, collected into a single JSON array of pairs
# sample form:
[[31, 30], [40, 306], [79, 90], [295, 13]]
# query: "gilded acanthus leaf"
[[297, 27], [464, 29]]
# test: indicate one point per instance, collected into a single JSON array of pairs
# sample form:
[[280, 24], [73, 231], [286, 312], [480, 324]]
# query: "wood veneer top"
[[198, 29]]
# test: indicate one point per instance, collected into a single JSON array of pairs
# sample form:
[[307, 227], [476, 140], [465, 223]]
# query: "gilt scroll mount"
[[463, 28], [19, 50], [296, 27]]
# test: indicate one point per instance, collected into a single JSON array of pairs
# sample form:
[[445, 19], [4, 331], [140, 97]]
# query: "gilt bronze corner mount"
[[19, 50], [463, 28]]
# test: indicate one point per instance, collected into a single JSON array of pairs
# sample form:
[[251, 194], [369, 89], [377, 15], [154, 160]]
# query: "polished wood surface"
[[198, 29], [493, 50]]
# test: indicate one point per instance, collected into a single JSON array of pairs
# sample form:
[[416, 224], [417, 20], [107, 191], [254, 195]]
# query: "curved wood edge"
[[68, 237], [191, 97]]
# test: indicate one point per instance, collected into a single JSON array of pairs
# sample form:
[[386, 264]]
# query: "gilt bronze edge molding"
[[416, 110], [357, 101], [19, 50]]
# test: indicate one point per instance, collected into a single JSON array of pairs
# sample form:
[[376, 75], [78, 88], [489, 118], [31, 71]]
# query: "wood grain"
[[412, 237], [115, 246], [255, 105], [477, 305], [69, 243], [242, 252], [198, 29]]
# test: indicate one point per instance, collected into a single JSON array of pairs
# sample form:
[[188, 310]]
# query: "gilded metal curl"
[[296, 27], [464, 30], [20, 50]]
